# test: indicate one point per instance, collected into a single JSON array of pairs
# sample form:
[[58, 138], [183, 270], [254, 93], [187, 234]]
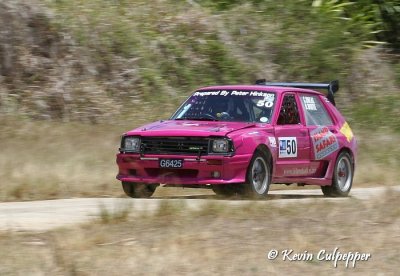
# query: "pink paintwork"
[[317, 147]]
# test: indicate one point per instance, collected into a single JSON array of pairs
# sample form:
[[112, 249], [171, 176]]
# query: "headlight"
[[220, 146], [132, 144]]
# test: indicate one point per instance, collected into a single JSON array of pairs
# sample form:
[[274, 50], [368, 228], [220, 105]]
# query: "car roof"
[[277, 89]]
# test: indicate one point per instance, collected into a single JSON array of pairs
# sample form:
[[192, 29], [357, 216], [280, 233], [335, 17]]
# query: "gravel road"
[[49, 214]]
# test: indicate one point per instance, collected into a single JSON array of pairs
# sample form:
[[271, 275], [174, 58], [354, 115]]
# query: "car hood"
[[189, 128]]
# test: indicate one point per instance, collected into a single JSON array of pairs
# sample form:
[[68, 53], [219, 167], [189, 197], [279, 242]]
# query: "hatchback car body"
[[238, 139]]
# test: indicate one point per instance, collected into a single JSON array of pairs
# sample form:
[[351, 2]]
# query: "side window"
[[289, 113], [315, 112]]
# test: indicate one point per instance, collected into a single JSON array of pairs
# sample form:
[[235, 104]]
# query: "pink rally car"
[[238, 139]]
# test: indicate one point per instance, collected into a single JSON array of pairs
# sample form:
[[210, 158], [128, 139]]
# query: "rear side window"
[[289, 113], [314, 111]]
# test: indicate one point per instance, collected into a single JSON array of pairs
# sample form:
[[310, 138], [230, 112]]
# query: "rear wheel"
[[138, 190], [258, 178], [342, 177]]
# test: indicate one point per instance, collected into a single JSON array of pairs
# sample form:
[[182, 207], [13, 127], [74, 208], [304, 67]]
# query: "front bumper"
[[145, 169]]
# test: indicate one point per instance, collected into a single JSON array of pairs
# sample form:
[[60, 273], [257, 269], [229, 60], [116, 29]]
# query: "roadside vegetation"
[[217, 239], [74, 75], [47, 160]]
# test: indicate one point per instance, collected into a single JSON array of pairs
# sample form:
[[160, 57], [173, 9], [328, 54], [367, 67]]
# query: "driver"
[[220, 108]]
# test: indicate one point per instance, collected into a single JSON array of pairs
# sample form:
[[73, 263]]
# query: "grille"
[[175, 145]]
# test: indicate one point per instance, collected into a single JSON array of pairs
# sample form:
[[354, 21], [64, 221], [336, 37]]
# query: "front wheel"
[[138, 190], [342, 177], [258, 178]]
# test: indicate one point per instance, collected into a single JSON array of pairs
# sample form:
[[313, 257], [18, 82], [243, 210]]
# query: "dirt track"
[[50, 214]]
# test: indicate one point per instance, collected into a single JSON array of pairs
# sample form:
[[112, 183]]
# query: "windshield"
[[228, 105]]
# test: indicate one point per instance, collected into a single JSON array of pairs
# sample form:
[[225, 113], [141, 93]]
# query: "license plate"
[[171, 163]]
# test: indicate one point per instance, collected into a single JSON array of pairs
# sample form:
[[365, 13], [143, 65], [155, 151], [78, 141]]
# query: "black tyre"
[[224, 189], [258, 178], [138, 190], [342, 177]]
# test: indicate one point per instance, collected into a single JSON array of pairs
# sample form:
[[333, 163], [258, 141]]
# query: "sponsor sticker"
[[224, 93], [299, 171], [324, 142], [346, 131], [268, 100], [287, 147], [272, 142], [207, 93], [309, 103], [268, 97]]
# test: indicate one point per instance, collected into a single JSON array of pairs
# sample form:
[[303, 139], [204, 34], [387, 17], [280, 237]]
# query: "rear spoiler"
[[332, 86]]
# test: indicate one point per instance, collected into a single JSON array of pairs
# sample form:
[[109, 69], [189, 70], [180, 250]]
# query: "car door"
[[293, 157], [322, 132]]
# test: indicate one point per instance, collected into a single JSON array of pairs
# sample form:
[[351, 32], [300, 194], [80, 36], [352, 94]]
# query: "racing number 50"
[[287, 147], [291, 147]]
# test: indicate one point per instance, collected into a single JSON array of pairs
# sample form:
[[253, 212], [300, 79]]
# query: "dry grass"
[[41, 160], [378, 158], [45, 160], [214, 240]]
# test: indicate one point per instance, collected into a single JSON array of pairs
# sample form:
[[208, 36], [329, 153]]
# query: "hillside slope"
[[95, 60], [76, 74]]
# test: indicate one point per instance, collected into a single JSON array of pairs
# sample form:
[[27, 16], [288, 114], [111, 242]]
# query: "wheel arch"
[[350, 152], [248, 188], [333, 190], [265, 150]]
